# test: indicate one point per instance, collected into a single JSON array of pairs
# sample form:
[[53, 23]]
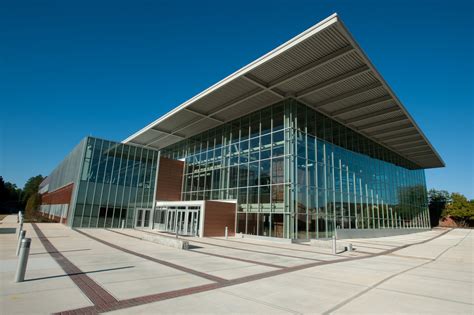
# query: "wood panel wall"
[[170, 177], [217, 216]]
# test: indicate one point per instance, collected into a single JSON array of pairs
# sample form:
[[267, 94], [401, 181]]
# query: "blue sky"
[[74, 68]]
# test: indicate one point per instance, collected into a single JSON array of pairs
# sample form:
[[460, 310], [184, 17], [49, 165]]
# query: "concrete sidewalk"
[[97, 270]]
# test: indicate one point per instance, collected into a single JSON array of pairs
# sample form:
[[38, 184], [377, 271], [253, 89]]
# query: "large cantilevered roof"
[[324, 68]]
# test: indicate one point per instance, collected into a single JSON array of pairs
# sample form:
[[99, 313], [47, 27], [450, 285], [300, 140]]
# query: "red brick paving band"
[[285, 248], [122, 304], [162, 262], [212, 254], [249, 250], [239, 259], [95, 293]]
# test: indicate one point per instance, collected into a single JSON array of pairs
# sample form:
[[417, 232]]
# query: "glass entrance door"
[[142, 219], [184, 220], [188, 221]]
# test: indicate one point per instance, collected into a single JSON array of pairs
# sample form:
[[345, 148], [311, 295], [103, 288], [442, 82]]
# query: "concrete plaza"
[[91, 271]]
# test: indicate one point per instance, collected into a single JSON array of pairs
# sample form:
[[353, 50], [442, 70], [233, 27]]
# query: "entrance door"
[[185, 221], [143, 218], [188, 222]]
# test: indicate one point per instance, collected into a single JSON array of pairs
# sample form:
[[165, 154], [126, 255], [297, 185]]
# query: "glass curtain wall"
[[115, 179], [242, 160], [347, 181], [299, 174]]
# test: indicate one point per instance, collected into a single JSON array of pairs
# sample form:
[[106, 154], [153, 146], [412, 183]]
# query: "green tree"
[[31, 187], [32, 206], [437, 201], [460, 210], [10, 197]]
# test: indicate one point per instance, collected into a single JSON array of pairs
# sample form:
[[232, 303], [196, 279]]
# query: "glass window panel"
[[278, 148], [277, 225], [278, 171], [278, 192], [278, 117], [255, 124], [252, 223], [241, 218], [266, 122], [265, 195], [301, 171], [253, 173], [254, 149], [265, 172]]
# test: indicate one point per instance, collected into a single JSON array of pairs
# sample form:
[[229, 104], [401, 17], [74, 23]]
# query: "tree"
[[31, 187], [460, 210], [437, 201], [13, 198], [9, 197], [32, 205]]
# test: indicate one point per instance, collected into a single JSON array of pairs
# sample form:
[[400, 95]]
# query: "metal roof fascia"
[[386, 86], [327, 22]]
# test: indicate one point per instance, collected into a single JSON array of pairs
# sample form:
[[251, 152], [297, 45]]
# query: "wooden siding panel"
[[170, 175], [217, 216]]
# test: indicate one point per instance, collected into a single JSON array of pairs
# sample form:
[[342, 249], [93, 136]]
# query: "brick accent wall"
[[60, 196], [217, 216], [170, 175]]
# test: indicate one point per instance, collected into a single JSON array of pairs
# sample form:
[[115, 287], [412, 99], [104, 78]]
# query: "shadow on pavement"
[[7, 230], [78, 273]]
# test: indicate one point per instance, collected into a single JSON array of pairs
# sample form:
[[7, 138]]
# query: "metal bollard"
[[123, 224], [22, 236], [334, 245], [20, 229], [23, 260], [226, 230], [349, 247]]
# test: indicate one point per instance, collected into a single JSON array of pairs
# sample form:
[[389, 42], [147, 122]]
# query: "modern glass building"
[[103, 183], [297, 173], [306, 141]]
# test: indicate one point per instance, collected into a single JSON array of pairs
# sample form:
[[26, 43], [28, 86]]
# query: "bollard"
[[349, 247], [123, 224], [22, 236], [20, 229], [334, 245], [23, 260], [226, 232]]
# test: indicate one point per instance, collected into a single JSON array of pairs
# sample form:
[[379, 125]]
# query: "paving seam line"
[[425, 296], [284, 248], [210, 254], [162, 262], [96, 294], [194, 290], [239, 259], [260, 302], [247, 250], [374, 286]]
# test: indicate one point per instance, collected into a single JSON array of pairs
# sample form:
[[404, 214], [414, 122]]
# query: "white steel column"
[[361, 203], [373, 211], [378, 211], [383, 215], [391, 216]]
